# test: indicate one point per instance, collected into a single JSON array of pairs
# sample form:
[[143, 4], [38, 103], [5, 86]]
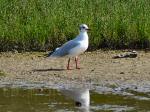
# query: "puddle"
[[53, 100]]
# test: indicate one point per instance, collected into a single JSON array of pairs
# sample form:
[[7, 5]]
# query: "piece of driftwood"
[[132, 54]]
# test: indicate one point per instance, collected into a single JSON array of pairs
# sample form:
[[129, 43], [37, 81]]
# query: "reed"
[[45, 24]]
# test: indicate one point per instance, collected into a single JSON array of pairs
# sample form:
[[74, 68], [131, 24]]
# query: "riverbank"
[[97, 69]]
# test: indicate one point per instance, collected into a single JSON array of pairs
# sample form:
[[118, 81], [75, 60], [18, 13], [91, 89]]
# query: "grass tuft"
[[2, 73]]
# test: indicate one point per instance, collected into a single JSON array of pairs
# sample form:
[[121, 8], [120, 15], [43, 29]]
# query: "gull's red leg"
[[68, 66], [76, 60]]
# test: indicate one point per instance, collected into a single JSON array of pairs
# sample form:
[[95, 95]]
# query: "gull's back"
[[65, 49], [71, 48]]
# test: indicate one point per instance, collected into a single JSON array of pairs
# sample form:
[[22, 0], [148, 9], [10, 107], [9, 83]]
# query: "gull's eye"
[[83, 27]]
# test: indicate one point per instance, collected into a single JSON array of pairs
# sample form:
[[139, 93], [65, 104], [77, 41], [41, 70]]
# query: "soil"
[[98, 68]]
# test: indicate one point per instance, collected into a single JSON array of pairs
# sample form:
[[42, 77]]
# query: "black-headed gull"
[[74, 47]]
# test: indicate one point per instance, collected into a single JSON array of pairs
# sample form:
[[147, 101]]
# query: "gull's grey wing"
[[65, 49]]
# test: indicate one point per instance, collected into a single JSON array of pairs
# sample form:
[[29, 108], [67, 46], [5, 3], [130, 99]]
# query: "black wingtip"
[[50, 53]]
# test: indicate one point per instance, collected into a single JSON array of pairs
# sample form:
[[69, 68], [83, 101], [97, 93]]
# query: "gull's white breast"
[[82, 39], [82, 47]]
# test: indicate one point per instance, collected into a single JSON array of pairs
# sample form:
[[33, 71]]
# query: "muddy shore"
[[98, 70]]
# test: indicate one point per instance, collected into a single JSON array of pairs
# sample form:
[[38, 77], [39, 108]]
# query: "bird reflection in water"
[[81, 97]]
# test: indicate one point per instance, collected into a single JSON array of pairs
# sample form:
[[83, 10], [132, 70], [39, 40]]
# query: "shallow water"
[[51, 100]]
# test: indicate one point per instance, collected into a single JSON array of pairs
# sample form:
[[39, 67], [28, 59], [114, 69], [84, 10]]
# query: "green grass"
[[46, 24], [2, 73]]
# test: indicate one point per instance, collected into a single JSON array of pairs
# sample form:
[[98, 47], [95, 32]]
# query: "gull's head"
[[84, 28], [81, 96]]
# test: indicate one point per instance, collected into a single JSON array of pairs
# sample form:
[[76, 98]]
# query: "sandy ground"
[[97, 68]]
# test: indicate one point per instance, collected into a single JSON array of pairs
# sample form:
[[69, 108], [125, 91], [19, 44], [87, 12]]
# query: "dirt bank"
[[97, 68]]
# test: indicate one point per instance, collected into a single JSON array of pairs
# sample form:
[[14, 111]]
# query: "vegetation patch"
[[33, 25], [2, 73]]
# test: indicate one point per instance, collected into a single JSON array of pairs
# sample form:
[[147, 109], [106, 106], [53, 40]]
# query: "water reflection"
[[66, 99], [81, 97]]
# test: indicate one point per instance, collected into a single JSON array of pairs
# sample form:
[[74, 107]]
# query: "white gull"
[[74, 47]]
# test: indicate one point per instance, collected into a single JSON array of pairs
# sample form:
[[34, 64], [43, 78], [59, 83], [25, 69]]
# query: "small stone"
[[92, 70], [122, 73]]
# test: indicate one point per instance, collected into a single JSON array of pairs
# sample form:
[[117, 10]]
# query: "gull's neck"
[[83, 35]]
